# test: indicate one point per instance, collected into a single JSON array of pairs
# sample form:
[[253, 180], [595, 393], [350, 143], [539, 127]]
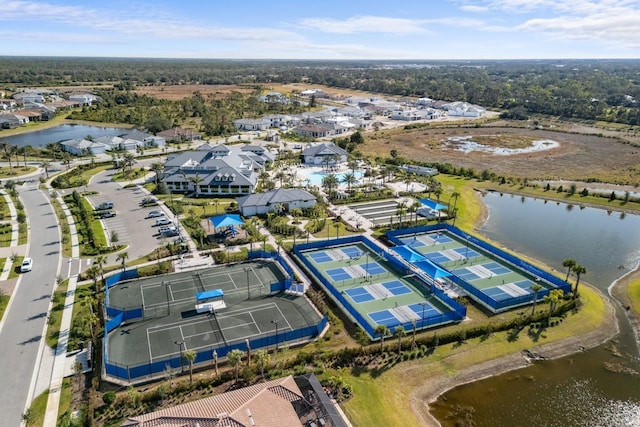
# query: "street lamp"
[[247, 270], [181, 344], [275, 322], [423, 304], [166, 288]]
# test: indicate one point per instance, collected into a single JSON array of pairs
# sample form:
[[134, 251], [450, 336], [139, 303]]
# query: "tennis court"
[[476, 265], [171, 324], [372, 288]]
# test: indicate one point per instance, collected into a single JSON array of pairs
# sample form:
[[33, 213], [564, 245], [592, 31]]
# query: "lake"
[[40, 138], [576, 390]]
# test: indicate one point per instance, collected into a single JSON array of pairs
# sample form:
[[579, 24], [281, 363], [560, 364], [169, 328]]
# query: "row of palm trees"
[[575, 268], [234, 358]]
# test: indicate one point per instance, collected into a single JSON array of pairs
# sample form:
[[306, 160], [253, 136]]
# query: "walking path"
[[13, 248]]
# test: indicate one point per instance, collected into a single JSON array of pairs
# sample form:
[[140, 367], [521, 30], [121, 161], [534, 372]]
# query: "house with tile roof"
[[281, 200], [81, 147]]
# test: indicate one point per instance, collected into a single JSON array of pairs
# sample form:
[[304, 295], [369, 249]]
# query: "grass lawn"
[[38, 409], [16, 172], [15, 271], [5, 234], [55, 317], [392, 391], [633, 290], [64, 226]]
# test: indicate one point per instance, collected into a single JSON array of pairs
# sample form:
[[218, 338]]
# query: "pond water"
[[40, 138], [576, 390], [315, 176]]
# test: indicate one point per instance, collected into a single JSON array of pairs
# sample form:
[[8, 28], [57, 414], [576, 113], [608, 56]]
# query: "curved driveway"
[[25, 320]]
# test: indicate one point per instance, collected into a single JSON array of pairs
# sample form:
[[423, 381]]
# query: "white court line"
[[254, 322], [285, 318], [149, 344]]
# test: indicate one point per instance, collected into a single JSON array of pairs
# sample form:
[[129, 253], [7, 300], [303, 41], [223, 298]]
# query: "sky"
[[328, 29]]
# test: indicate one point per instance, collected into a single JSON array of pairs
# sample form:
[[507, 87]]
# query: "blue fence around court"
[[152, 369], [394, 237], [128, 313], [458, 313], [117, 316]]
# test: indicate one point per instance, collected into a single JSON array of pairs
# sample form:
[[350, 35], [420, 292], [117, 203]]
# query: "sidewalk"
[[13, 248]]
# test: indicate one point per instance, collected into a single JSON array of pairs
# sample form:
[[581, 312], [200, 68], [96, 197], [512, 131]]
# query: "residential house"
[[288, 401], [83, 98], [178, 134], [321, 130], [463, 109], [419, 170], [214, 170], [11, 120], [112, 143], [83, 147], [324, 154], [252, 124], [281, 200]]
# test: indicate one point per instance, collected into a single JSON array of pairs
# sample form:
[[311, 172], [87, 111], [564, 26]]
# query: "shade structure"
[[431, 269], [432, 204], [408, 254], [226, 220]]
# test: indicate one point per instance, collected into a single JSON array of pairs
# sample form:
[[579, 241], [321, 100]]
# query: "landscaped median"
[[396, 394]]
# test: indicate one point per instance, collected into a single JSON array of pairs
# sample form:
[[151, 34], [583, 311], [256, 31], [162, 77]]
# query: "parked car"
[[27, 265], [107, 214], [148, 201], [163, 221], [155, 214], [168, 231], [104, 206]]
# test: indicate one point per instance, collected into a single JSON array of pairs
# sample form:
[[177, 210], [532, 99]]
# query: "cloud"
[[474, 8], [364, 24]]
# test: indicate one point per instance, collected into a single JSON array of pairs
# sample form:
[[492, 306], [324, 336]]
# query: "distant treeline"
[[586, 89]]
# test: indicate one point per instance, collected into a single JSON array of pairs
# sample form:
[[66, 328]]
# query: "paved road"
[[24, 323]]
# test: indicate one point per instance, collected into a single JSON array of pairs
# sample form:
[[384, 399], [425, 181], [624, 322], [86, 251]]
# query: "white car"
[[155, 214], [27, 265], [163, 221]]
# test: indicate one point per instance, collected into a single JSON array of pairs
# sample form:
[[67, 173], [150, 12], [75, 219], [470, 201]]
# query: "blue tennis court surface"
[[496, 268], [497, 294], [429, 310], [525, 284], [441, 238], [320, 257], [383, 317], [465, 274], [359, 295], [396, 287], [338, 274], [372, 268], [436, 257], [467, 253], [352, 252], [412, 242]]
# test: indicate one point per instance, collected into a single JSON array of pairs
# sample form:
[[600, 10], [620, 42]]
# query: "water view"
[[592, 388], [40, 138], [315, 176]]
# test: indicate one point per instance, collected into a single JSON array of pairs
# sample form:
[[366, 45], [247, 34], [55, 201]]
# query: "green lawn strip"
[[5, 235], [64, 408], [129, 175], [4, 209], [15, 270], [55, 317], [633, 290], [100, 240], [15, 171], [81, 317], [23, 234], [64, 226], [385, 399], [38, 409]]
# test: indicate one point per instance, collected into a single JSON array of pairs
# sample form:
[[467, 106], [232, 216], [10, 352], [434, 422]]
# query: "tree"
[[235, 358], [553, 298], [349, 178], [329, 182], [128, 160], [578, 270], [535, 288], [190, 356], [94, 273], [381, 330], [262, 359], [569, 264], [122, 256], [399, 332], [101, 261], [45, 164], [158, 169], [196, 180]]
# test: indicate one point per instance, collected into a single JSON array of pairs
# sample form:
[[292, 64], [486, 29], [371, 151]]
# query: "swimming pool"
[[315, 177]]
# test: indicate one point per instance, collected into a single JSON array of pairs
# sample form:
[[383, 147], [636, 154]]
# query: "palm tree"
[[216, 202], [94, 272], [578, 270], [158, 169], [399, 332], [569, 264], [123, 258], [381, 330], [196, 180], [553, 298], [128, 160], [45, 164], [400, 210], [329, 182], [262, 359], [7, 150], [535, 288], [25, 151], [349, 178], [101, 260], [190, 356], [66, 159], [235, 357], [454, 196]]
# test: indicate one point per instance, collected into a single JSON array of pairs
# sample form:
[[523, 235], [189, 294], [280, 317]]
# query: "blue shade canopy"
[[431, 269], [213, 293], [226, 220], [408, 254], [432, 204]]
